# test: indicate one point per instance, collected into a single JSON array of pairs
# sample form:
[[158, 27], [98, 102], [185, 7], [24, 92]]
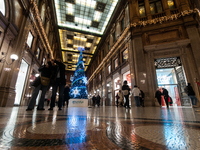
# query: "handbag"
[[36, 82], [45, 81]]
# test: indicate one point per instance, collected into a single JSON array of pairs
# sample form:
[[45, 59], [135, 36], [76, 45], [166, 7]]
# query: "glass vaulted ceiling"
[[86, 15], [81, 24]]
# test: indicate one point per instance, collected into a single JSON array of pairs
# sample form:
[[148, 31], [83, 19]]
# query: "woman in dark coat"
[[158, 96]]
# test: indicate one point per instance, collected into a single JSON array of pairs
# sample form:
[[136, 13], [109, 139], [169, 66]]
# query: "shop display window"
[[127, 77], [116, 63], [99, 77], [171, 4], [124, 55], [109, 69], [155, 6], [141, 9], [30, 39], [2, 7], [43, 61], [38, 53], [117, 83]]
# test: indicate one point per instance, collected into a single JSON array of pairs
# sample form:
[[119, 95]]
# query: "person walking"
[[141, 97], [166, 96], [158, 96], [117, 101], [94, 100], [126, 93], [136, 94], [98, 98], [59, 82], [44, 78], [66, 95], [190, 92], [121, 98]]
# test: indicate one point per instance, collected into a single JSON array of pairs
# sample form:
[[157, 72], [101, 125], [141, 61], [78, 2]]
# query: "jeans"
[[35, 94], [193, 99], [54, 91], [137, 101], [127, 101]]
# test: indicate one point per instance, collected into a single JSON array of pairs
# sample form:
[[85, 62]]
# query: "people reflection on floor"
[[190, 92], [126, 93], [98, 99], [59, 82], [94, 100], [48, 96], [117, 99], [166, 96], [136, 94], [45, 71], [158, 96], [66, 95], [121, 98], [141, 97]]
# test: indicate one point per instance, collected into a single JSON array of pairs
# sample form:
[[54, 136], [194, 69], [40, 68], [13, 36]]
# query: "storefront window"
[[38, 53], [29, 39], [109, 69], [127, 77], [2, 7], [43, 61], [171, 4], [20, 84], [122, 24], [116, 63], [155, 7], [141, 9], [124, 55], [117, 83], [99, 77]]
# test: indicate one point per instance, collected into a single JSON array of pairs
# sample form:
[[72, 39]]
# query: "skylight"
[[85, 15]]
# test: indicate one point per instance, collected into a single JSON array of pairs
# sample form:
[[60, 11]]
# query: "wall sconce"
[[13, 57]]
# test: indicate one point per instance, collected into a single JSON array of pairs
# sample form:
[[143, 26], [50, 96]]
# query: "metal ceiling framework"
[[81, 24]]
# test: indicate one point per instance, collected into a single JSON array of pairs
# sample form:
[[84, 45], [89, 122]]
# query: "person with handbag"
[[126, 93], [59, 82], [42, 84]]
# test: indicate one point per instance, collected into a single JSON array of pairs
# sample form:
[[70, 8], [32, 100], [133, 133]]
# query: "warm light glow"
[[79, 38], [88, 44], [37, 75], [69, 41], [14, 57]]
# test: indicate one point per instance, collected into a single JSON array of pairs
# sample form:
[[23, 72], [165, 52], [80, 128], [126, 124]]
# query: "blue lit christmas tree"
[[78, 87]]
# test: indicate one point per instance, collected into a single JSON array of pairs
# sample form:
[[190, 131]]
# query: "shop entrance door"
[[19, 87], [173, 79]]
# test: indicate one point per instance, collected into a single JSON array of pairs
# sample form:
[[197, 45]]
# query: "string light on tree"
[[78, 87]]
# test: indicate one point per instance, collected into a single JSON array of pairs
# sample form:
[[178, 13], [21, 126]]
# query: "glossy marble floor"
[[100, 128]]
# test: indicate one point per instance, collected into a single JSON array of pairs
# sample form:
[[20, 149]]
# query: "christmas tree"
[[78, 87]]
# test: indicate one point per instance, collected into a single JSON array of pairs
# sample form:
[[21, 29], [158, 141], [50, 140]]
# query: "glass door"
[[19, 87]]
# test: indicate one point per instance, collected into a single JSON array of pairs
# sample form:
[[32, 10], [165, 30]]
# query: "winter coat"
[[136, 91], [125, 90]]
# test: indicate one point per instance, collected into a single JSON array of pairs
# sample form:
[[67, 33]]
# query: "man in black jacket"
[[166, 96], [46, 73], [59, 82], [126, 93], [190, 92]]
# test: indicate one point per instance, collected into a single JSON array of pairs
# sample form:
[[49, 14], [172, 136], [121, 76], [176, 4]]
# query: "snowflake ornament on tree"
[[78, 87]]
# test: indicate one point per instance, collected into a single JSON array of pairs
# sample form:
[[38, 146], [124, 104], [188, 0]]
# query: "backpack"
[[125, 92]]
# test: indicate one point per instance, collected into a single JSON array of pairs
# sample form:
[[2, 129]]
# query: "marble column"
[[194, 37]]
